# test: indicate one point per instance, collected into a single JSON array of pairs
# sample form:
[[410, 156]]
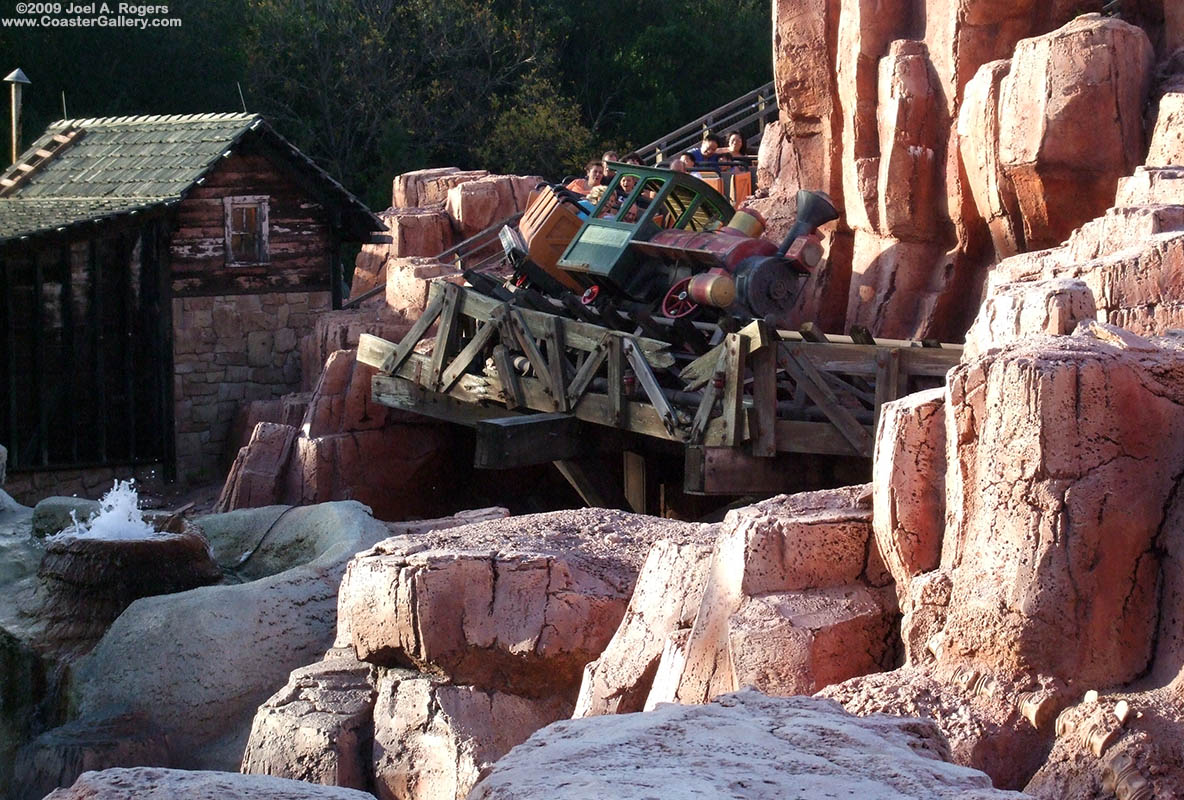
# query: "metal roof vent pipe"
[[18, 80]]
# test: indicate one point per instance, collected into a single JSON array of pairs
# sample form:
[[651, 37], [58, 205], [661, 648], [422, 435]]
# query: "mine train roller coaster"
[[659, 244], [653, 320]]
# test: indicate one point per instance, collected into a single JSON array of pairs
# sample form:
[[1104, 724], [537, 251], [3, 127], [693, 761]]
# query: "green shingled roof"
[[124, 164]]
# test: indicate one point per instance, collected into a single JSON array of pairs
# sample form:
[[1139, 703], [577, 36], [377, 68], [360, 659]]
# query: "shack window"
[[246, 229]]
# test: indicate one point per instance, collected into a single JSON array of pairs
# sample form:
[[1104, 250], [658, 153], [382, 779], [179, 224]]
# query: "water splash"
[[119, 517]]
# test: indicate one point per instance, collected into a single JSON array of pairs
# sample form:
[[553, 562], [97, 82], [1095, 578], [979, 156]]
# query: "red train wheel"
[[677, 302]]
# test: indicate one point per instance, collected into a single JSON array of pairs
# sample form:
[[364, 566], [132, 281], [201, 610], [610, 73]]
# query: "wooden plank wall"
[[301, 241]]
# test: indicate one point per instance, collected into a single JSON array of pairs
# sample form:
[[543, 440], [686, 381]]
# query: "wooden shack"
[[155, 272]]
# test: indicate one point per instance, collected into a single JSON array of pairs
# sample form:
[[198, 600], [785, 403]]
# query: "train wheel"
[[678, 303]]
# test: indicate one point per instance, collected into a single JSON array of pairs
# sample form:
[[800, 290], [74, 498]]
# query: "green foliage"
[[535, 131], [371, 88]]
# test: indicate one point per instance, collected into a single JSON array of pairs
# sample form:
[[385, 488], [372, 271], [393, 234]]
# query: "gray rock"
[[152, 783], [53, 514], [745, 746], [3, 463]]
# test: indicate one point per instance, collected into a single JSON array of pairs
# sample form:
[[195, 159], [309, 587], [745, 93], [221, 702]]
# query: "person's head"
[[627, 183], [736, 143], [632, 158], [677, 164], [611, 155], [687, 160], [710, 144], [594, 171]]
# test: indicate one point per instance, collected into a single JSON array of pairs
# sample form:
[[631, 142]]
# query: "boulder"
[[399, 471], [57, 758], [151, 783], [1017, 311], [434, 741], [891, 292], [478, 204], [343, 402], [519, 605], [197, 664], [256, 476], [1059, 86], [787, 643], [319, 727], [340, 330], [1062, 454], [744, 745], [408, 280], [1151, 186], [979, 716], [911, 126], [665, 600], [908, 485], [789, 543], [1167, 136], [978, 142], [418, 231], [54, 514], [429, 187], [804, 49], [286, 410], [3, 463]]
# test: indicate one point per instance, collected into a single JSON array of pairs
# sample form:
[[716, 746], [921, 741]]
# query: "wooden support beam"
[[731, 471], [806, 375], [395, 358], [465, 357], [650, 385], [587, 371], [577, 335], [511, 388], [616, 382], [637, 490], [410, 396], [592, 482], [763, 362], [445, 334], [556, 362], [736, 347], [711, 393], [861, 335], [811, 333], [514, 329], [887, 379], [523, 441]]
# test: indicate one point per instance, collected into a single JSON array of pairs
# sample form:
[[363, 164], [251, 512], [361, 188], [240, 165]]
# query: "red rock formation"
[[343, 435], [1060, 85], [869, 96]]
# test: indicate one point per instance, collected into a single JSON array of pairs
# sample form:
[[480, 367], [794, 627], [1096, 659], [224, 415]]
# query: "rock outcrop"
[[332, 456], [786, 605], [742, 745], [150, 783], [454, 645], [1061, 466], [950, 135]]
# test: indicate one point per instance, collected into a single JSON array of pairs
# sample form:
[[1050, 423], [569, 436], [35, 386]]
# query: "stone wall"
[[27, 488], [226, 350]]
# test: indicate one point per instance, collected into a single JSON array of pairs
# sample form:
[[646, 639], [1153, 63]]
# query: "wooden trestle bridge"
[[540, 387]]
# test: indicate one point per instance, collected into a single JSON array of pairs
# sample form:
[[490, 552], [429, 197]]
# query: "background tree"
[[372, 88]]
